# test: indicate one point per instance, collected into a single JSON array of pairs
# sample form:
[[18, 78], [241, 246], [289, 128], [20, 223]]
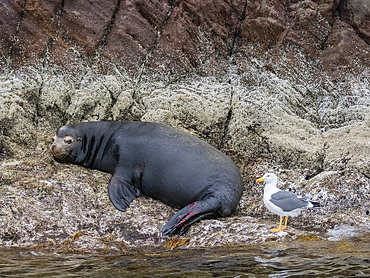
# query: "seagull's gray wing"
[[288, 201]]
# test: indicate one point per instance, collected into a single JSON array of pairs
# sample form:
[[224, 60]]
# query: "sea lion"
[[158, 161]]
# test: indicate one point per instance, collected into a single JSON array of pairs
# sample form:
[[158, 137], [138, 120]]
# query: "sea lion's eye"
[[68, 140]]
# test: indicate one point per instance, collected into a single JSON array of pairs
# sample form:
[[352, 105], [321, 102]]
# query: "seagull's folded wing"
[[288, 201]]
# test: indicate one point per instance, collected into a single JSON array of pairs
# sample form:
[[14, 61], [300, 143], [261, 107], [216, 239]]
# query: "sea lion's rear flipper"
[[185, 217], [121, 193]]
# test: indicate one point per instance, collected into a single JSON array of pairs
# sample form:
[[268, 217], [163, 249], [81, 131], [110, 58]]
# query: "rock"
[[344, 49], [346, 147], [197, 36], [134, 30], [264, 23], [310, 25], [17, 115], [263, 117], [66, 207], [357, 14], [186, 104]]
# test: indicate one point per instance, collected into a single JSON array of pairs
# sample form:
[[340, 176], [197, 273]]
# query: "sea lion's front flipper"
[[121, 193], [185, 217]]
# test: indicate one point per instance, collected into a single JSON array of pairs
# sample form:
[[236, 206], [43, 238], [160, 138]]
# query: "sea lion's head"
[[66, 144]]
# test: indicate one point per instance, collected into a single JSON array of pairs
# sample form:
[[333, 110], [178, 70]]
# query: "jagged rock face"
[[177, 36], [279, 85]]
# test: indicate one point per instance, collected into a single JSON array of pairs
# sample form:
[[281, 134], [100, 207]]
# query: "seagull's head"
[[268, 178]]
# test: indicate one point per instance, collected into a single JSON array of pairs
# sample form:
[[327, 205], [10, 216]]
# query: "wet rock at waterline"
[[281, 87]]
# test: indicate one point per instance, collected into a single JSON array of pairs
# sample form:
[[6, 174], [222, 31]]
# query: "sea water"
[[301, 258]]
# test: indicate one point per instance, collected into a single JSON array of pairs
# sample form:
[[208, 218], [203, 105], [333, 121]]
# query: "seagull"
[[283, 203]]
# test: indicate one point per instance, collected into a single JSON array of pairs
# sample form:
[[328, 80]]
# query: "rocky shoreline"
[[66, 209]]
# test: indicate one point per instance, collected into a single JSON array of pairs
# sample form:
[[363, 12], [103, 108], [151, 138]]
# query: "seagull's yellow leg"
[[286, 221], [278, 228]]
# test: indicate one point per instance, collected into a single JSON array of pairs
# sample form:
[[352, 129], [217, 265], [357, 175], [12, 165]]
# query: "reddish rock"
[[345, 49], [310, 25], [357, 14], [265, 23], [9, 17], [177, 37], [198, 36], [36, 26], [133, 34], [84, 23], [81, 32]]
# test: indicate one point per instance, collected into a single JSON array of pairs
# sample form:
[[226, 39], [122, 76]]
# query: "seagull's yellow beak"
[[259, 180]]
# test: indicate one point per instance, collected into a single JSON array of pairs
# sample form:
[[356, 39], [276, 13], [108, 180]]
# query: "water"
[[290, 259]]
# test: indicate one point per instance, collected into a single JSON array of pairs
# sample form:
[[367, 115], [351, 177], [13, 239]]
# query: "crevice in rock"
[[151, 49], [138, 78], [320, 168], [238, 29], [227, 121], [254, 129], [108, 29], [345, 17], [289, 24], [113, 98], [53, 38], [79, 82], [323, 45], [281, 38], [321, 127], [335, 15], [226, 126], [46, 56], [231, 52], [15, 39], [37, 115], [59, 13], [45, 59]]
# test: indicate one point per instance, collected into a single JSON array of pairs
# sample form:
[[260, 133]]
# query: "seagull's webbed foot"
[[281, 227]]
